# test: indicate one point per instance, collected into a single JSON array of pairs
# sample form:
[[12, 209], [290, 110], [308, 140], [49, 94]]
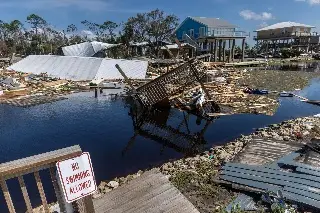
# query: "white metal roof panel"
[[80, 68], [284, 25], [133, 69], [85, 49]]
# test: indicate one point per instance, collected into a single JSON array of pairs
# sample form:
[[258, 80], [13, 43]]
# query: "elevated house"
[[212, 35], [287, 34]]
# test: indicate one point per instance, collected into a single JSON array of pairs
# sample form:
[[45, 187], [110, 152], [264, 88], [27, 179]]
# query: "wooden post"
[[233, 48], [243, 46], [211, 50], [125, 77], [229, 58], [267, 49], [41, 191], [224, 51], [25, 194], [215, 50], [85, 205], [220, 47], [7, 196], [57, 190], [96, 92]]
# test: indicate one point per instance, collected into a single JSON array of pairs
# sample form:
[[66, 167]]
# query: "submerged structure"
[[287, 35], [212, 35]]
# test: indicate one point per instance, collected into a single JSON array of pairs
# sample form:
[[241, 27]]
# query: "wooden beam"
[[22, 166], [224, 51], [229, 58], [233, 49], [57, 190], [7, 196], [41, 191], [243, 47], [126, 78], [215, 50], [25, 194], [85, 205], [220, 49]]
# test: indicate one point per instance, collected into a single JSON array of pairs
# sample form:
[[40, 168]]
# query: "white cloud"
[[55, 4], [250, 15], [312, 2]]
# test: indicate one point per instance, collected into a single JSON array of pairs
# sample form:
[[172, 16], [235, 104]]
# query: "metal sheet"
[[83, 49], [80, 68], [133, 69]]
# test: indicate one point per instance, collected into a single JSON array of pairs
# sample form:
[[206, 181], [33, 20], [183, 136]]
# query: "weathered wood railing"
[[21, 167]]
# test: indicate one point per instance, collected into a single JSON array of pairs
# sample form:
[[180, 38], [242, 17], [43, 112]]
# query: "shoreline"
[[194, 176]]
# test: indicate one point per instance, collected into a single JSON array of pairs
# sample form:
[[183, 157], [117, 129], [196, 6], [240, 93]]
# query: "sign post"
[[77, 177]]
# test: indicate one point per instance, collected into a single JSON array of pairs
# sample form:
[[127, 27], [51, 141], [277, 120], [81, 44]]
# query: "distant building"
[[287, 34], [212, 35]]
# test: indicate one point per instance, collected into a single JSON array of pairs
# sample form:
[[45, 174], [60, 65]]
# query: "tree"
[[74, 38], [104, 32], [36, 22], [153, 27]]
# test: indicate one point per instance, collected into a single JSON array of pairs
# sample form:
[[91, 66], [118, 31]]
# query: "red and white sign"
[[77, 177]]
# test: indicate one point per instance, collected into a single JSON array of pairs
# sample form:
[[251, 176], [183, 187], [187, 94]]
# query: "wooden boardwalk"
[[263, 151], [150, 193]]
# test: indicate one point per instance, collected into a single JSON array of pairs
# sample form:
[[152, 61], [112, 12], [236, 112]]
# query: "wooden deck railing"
[[19, 168]]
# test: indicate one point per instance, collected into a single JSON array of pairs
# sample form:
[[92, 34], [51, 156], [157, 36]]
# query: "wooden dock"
[[152, 193]]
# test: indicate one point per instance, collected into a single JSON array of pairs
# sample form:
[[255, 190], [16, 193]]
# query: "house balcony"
[[285, 35], [233, 34]]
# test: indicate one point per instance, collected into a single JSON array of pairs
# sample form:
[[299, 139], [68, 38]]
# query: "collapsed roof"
[[81, 68], [86, 49]]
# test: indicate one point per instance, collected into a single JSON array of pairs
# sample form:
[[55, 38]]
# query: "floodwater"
[[105, 128]]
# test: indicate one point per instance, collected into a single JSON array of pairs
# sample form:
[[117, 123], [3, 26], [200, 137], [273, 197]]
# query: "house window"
[[202, 31], [184, 34], [298, 30], [284, 31], [191, 32]]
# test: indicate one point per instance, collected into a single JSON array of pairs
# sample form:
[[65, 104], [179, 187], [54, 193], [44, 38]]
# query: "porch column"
[[224, 51], [233, 48], [215, 50], [229, 58], [243, 43], [220, 47], [211, 50]]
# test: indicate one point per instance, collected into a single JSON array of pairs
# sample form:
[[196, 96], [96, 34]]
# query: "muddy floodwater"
[[106, 129]]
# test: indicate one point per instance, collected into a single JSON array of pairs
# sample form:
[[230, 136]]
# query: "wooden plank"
[[41, 191], [7, 196], [26, 164], [25, 194], [152, 192], [57, 190]]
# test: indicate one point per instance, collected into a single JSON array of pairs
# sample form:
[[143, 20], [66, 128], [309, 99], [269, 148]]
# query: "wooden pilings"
[[243, 48]]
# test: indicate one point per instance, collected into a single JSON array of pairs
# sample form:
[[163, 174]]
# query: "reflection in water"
[[299, 66], [153, 124]]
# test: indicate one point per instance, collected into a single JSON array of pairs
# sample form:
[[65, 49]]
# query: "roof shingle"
[[214, 22]]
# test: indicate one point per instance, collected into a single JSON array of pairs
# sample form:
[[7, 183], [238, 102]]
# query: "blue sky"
[[247, 14]]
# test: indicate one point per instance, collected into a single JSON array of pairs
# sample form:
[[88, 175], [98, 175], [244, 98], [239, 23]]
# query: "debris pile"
[[26, 90], [217, 85]]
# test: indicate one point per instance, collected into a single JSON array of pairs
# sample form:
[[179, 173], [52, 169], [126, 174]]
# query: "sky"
[[248, 15]]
